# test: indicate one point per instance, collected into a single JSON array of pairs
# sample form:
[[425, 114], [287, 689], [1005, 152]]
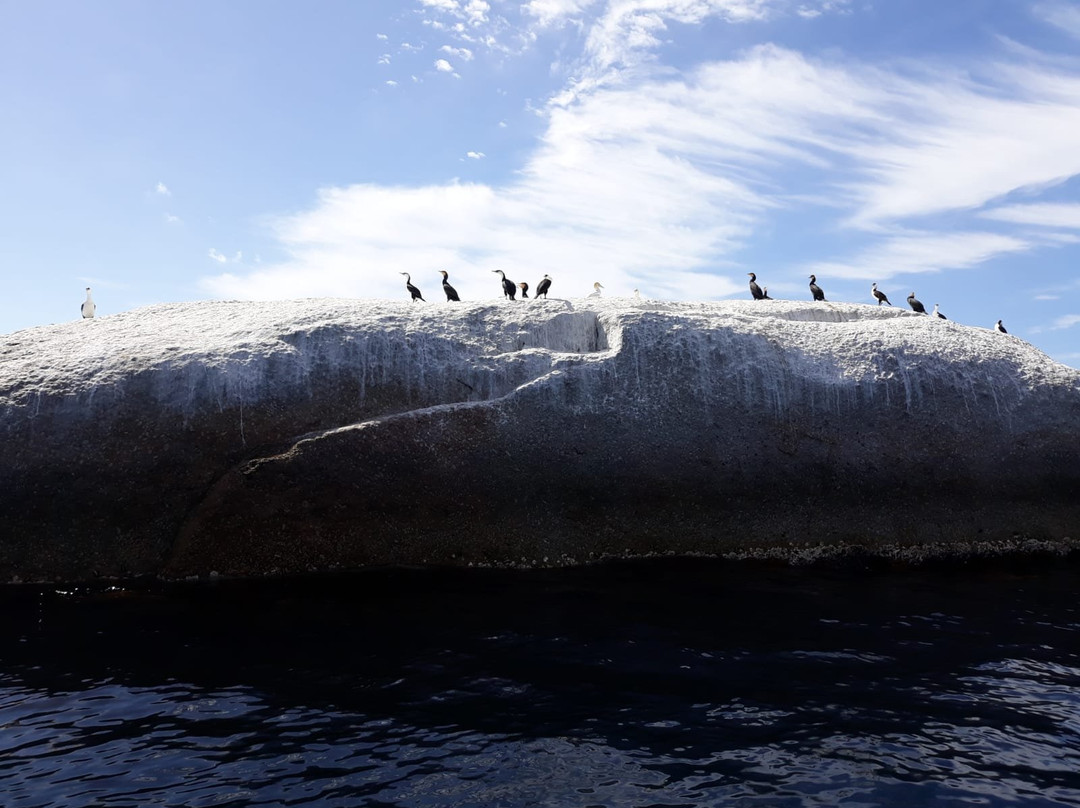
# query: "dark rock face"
[[251, 438]]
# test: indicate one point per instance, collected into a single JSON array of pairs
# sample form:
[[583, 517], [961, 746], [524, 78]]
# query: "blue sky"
[[261, 149]]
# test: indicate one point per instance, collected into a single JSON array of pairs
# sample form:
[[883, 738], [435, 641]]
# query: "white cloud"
[[171, 219], [1068, 321], [443, 66], [474, 155], [658, 179], [162, 190], [384, 59], [382, 37], [221, 259], [444, 5], [409, 47], [1065, 16], [1045, 214], [462, 53], [391, 83], [917, 252]]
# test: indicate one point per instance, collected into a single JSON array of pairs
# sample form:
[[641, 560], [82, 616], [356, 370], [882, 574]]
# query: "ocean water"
[[651, 683]]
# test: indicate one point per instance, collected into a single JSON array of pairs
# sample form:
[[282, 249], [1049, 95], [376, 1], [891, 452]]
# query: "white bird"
[[936, 313], [596, 289], [88, 307], [1000, 328]]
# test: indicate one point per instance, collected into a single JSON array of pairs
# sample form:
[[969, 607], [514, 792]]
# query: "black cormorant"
[[542, 287], [755, 290], [937, 313], [999, 327], [451, 292], [88, 307], [915, 304], [596, 289], [412, 289], [509, 287], [815, 290], [765, 293], [879, 295], [524, 289]]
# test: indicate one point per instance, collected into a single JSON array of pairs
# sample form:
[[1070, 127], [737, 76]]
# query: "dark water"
[[675, 683]]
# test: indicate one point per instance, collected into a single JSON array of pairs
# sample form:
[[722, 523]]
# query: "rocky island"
[[241, 438]]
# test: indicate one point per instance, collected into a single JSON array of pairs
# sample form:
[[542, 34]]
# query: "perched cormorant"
[[88, 307], [765, 293], [879, 295], [915, 304], [755, 290], [509, 287], [999, 327], [637, 295], [524, 290], [542, 287], [937, 313], [596, 289], [412, 289], [815, 290], [451, 292]]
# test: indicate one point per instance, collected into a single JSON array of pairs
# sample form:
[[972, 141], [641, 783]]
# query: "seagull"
[[596, 289], [879, 295], [88, 307], [999, 327], [915, 304], [936, 313]]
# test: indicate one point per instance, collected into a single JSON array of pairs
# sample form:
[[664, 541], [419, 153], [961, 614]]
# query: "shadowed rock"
[[253, 438]]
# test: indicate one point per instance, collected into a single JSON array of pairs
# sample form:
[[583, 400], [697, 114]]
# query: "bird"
[[524, 290], [542, 287], [637, 295], [755, 290], [879, 295], [509, 287], [451, 292], [596, 289], [815, 290], [765, 293], [915, 304], [88, 306], [999, 327], [412, 289], [938, 314]]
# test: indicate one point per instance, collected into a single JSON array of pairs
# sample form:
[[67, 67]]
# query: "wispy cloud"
[[656, 178], [161, 190], [215, 255], [1065, 16], [171, 219], [443, 66], [464, 54], [474, 155], [1068, 321], [1066, 215]]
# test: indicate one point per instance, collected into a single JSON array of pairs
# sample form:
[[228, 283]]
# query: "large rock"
[[251, 438]]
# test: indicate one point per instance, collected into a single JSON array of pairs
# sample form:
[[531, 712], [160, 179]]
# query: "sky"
[[262, 149]]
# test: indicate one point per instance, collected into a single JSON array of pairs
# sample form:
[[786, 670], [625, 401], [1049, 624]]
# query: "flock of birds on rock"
[[510, 290], [762, 293]]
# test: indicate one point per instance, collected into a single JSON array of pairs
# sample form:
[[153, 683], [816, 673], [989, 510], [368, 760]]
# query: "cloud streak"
[[659, 180]]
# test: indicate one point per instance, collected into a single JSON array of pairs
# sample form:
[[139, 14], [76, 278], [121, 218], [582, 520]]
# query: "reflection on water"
[[672, 683]]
